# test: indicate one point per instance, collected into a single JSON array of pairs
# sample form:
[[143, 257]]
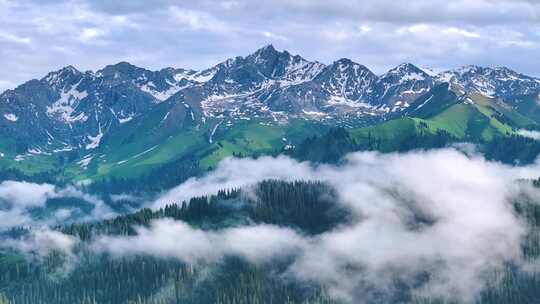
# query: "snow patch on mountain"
[[37, 151], [126, 119], [65, 106], [94, 140], [211, 138], [137, 155], [11, 117], [424, 103], [151, 89], [342, 101], [314, 113], [85, 161], [412, 76], [202, 76], [302, 71]]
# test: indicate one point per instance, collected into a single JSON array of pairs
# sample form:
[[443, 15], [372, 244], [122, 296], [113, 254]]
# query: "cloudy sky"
[[37, 36]]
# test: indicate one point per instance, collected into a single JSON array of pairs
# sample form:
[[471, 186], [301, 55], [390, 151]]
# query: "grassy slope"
[[147, 144], [33, 164], [255, 139], [248, 138], [464, 121], [388, 133]]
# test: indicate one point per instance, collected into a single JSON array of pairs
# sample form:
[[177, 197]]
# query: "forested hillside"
[[310, 208]]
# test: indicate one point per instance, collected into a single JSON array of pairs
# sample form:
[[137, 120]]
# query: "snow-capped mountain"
[[348, 80], [73, 110], [498, 82], [68, 109], [401, 85]]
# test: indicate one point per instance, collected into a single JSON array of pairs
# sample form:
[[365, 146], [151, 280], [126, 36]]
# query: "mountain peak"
[[267, 52], [67, 70], [61, 75], [121, 66], [346, 65], [268, 48], [70, 69], [406, 65], [406, 68], [344, 61], [469, 69]]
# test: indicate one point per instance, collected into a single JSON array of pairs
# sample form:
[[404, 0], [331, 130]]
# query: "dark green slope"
[[527, 105]]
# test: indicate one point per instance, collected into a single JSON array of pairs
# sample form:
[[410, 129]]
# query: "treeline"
[[334, 145], [17, 175], [308, 206], [512, 149], [158, 179]]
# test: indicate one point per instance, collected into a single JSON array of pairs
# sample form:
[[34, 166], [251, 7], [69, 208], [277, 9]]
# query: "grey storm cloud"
[[39, 36]]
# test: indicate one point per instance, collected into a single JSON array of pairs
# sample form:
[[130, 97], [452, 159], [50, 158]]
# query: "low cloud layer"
[[470, 227], [440, 213], [530, 134], [18, 199], [42, 241], [175, 239]]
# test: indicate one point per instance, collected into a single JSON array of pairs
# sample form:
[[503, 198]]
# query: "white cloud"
[[9, 37], [89, 34], [17, 199], [41, 242], [435, 30], [460, 32], [271, 35], [175, 239], [530, 134], [197, 20], [470, 230], [417, 28], [228, 5], [26, 194], [365, 28]]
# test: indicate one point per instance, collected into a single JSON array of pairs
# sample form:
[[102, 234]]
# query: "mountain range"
[[92, 123]]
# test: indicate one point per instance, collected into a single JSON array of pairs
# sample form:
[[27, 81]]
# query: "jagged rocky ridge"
[[68, 109]]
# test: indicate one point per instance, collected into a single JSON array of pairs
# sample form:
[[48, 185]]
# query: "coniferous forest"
[[307, 207]]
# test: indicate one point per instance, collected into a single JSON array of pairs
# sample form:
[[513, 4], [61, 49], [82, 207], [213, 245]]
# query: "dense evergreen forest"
[[334, 145], [307, 207]]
